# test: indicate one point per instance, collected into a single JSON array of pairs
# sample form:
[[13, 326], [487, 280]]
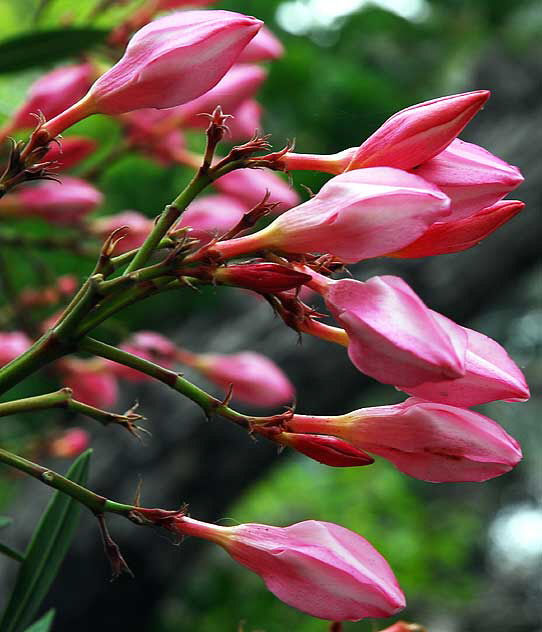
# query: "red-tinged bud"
[[138, 227], [419, 132], [354, 216], [245, 121], [70, 444], [72, 151], [59, 202], [470, 176], [263, 47], [317, 567], [427, 440], [239, 84], [209, 216], [325, 449], [326, 163], [170, 61], [266, 278], [91, 381], [55, 92], [445, 237], [255, 379], [12, 345], [250, 186]]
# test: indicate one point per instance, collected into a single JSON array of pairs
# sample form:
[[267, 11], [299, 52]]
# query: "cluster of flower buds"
[[412, 189]]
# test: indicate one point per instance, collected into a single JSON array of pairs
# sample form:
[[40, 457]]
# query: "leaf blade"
[[45, 552]]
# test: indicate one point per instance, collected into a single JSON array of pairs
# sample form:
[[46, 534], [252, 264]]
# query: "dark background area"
[[466, 555]]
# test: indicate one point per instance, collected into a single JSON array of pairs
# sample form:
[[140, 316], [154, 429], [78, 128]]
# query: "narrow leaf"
[[40, 48], [7, 550], [44, 624], [45, 552]]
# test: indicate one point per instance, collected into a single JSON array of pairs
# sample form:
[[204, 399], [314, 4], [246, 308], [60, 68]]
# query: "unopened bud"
[[266, 278], [325, 449]]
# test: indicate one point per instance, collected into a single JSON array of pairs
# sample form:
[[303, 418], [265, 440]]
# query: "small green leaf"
[[45, 552], [46, 47], [44, 624], [5, 521], [7, 550]]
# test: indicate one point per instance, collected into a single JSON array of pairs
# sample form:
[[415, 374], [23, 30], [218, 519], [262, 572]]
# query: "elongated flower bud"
[[325, 449], [70, 444], [266, 278], [454, 236], [245, 121], [91, 381], [490, 375], [170, 61], [471, 177], [148, 345], [263, 47], [72, 151], [393, 336], [255, 379], [62, 202], [355, 216], [138, 227], [419, 132], [241, 82], [317, 567], [251, 185], [12, 345], [209, 216], [53, 93], [427, 440]]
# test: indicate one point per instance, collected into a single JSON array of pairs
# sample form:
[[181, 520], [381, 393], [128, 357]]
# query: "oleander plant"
[[167, 71]]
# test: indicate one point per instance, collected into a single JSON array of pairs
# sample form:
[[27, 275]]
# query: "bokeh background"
[[466, 555]]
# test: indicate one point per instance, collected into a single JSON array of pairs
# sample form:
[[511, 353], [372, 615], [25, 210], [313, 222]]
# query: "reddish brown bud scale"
[[326, 449], [266, 278]]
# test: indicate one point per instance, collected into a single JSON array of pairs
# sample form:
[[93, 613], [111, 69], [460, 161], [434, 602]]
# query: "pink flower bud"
[[245, 121], [91, 381], [63, 202], [317, 567], [138, 227], [490, 374], [393, 336], [211, 215], [12, 345], [70, 444], [453, 236], [72, 151], [266, 278], [251, 185], [470, 176], [326, 163], [53, 93], [356, 215], [420, 132], [170, 61], [403, 626], [148, 345], [239, 84], [263, 47], [325, 449], [427, 440], [255, 379]]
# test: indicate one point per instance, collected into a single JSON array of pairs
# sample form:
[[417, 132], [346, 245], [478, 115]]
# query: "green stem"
[[96, 503], [205, 401], [64, 399]]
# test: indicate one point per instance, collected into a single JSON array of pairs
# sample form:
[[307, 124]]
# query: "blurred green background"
[[467, 556]]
